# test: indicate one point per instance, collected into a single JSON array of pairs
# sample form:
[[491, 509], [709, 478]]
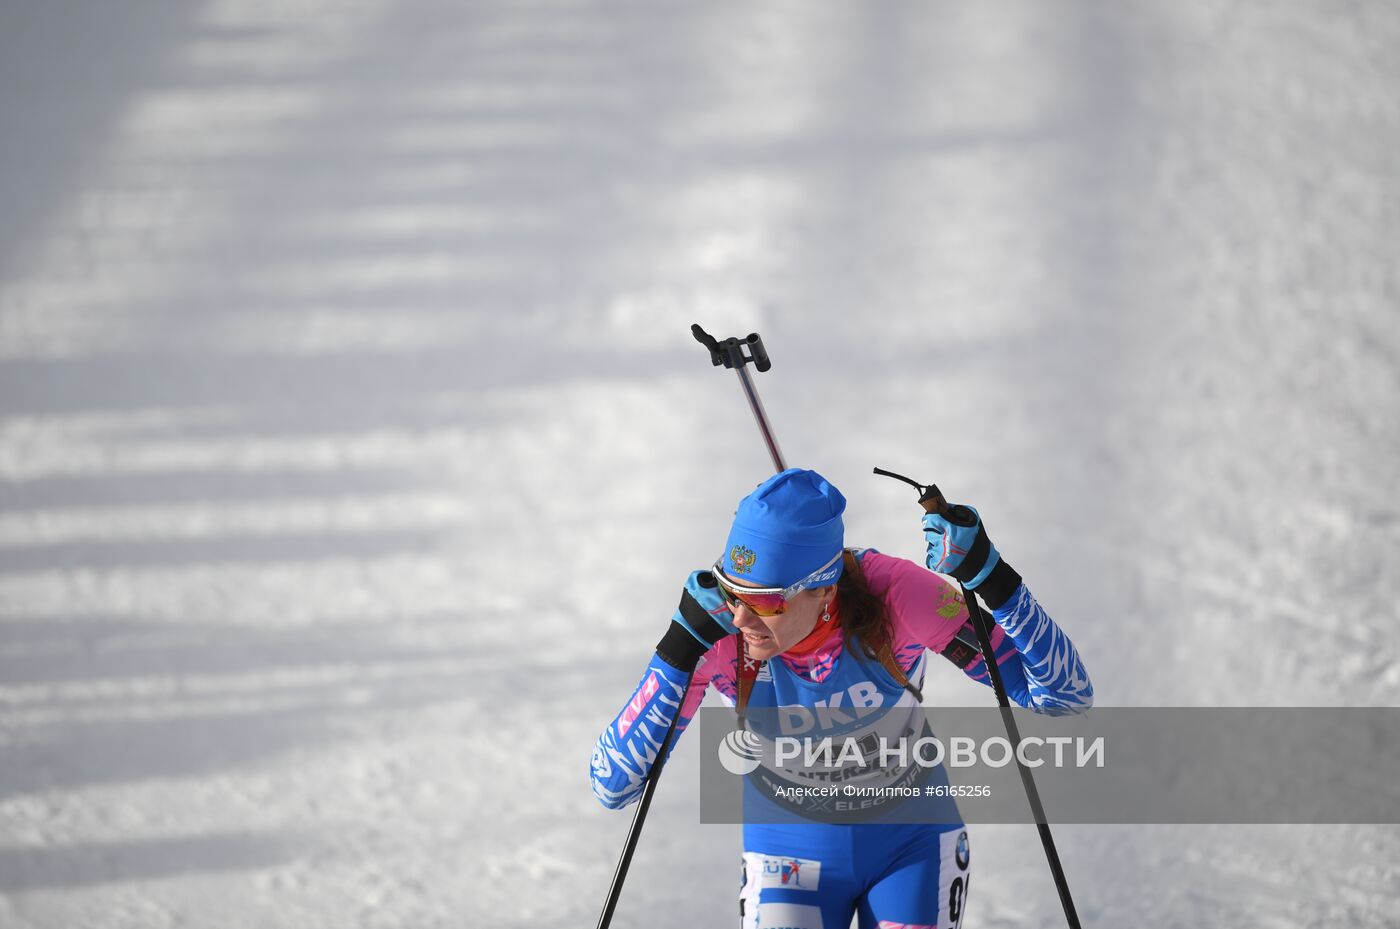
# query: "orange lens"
[[762, 604]]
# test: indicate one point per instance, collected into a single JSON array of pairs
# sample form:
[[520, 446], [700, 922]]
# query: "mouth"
[[757, 638]]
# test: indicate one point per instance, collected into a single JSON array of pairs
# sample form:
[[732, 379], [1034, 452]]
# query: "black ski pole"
[[729, 353], [634, 832], [984, 638], [933, 501]]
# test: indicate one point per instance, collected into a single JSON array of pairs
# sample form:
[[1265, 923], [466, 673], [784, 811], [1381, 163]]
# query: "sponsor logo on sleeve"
[[638, 703]]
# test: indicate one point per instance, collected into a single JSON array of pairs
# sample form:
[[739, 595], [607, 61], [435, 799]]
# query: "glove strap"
[[999, 585], [679, 648], [976, 558], [700, 620]]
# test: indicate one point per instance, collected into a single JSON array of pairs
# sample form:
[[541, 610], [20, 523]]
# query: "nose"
[[745, 618]]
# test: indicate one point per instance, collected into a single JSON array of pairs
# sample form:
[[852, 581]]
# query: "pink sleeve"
[[924, 607], [717, 666]]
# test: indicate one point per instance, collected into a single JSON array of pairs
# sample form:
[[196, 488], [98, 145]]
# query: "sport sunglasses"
[[770, 601]]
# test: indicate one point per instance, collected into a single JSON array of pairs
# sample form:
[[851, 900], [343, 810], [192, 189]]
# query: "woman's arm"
[[627, 749], [1040, 666], [674, 682], [1048, 675]]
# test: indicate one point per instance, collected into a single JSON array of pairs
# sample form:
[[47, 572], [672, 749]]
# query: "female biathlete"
[[788, 617]]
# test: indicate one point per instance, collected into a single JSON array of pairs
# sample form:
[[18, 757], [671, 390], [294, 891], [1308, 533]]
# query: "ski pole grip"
[[757, 352], [707, 340], [933, 501], [730, 352]]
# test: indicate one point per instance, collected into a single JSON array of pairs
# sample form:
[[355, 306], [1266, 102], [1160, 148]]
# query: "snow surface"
[[353, 446]]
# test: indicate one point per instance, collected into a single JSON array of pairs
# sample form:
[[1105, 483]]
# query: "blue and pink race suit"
[[815, 874]]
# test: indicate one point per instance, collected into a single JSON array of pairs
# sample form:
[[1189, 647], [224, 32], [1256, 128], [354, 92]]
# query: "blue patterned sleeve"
[[1039, 664], [627, 749]]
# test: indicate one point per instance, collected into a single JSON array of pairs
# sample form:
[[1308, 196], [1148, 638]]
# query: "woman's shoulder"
[[922, 606], [884, 572]]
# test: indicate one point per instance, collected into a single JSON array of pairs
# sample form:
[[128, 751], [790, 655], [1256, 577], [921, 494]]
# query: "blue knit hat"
[[785, 530]]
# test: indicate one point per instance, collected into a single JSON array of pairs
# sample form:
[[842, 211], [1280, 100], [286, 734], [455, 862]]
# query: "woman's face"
[[766, 636]]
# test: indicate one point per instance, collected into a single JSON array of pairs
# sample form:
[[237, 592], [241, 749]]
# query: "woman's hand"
[[701, 620], [702, 611], [958, 544]]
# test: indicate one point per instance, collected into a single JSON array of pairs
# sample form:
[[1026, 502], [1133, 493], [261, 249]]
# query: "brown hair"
[[862, 611]]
